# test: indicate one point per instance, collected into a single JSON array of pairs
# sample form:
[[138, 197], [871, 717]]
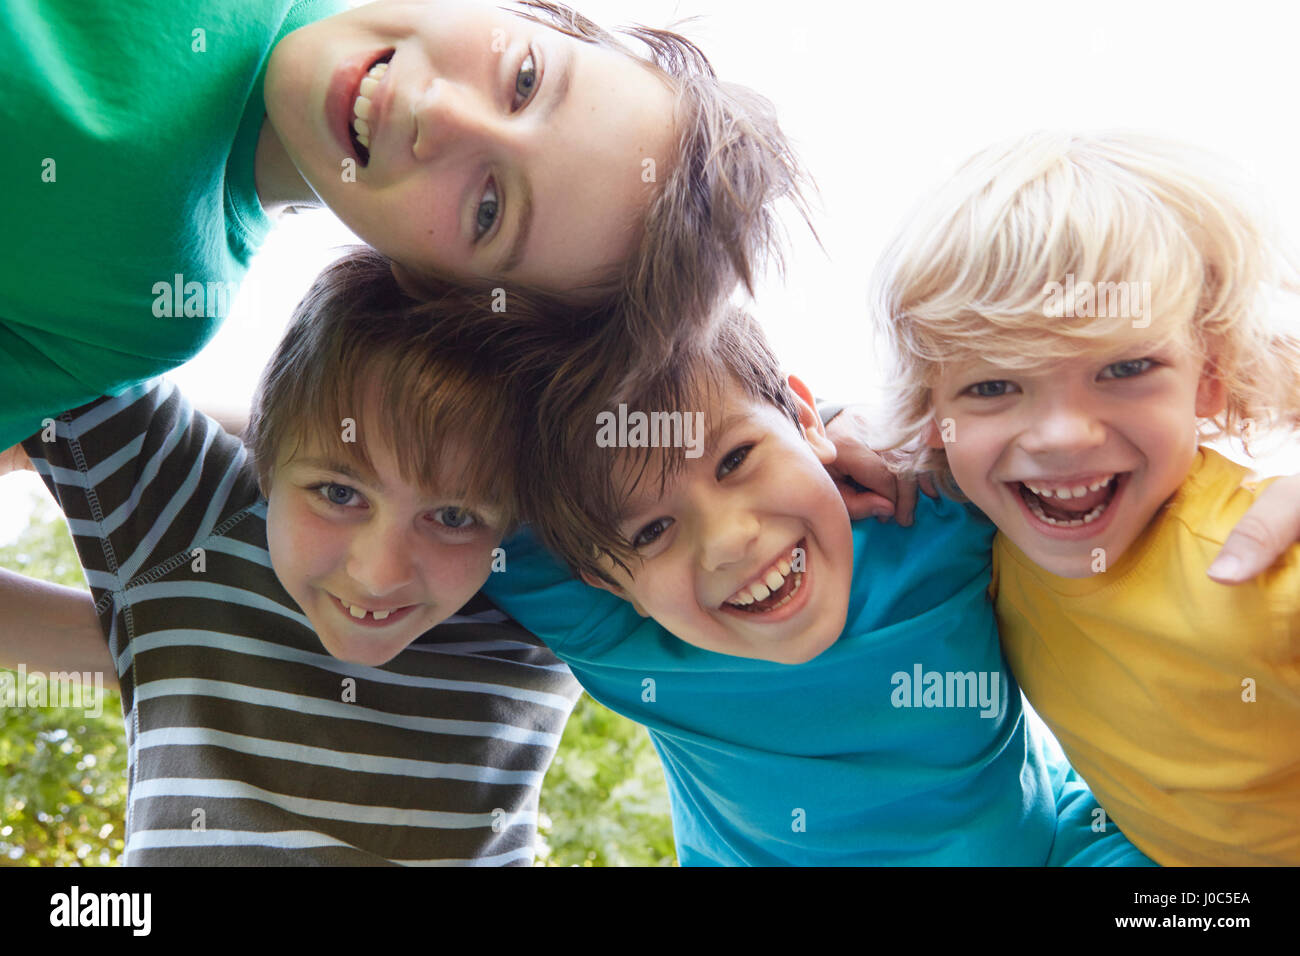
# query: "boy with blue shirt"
[[746, 561]]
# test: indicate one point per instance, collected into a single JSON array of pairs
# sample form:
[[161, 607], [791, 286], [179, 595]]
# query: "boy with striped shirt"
[[423, 735]]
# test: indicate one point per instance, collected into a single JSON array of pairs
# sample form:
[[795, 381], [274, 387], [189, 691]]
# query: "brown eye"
[[651, 532]]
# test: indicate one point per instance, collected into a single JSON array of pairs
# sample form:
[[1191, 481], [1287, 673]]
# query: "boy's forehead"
[[638, 472], [1065, 353], [373, 461]]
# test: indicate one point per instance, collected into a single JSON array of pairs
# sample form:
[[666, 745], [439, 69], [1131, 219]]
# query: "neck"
[[278, 182]]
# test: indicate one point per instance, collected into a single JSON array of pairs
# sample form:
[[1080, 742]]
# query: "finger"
[[865, 504], [1270, 526], [906, 504], [869, 471], [928, 485]]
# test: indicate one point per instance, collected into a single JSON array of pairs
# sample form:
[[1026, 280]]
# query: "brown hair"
[[711, 224], [404, 372], [573, 495]]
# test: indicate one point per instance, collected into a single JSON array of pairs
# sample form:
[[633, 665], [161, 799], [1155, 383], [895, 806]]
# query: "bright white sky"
[[883, 100]]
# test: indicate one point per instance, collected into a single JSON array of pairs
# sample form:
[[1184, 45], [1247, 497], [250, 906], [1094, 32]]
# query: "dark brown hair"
[[573, 494]]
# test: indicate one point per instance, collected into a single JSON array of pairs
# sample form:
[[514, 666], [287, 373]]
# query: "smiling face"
[[1078, 455], [487, 145], [719, 562], [373, 561]]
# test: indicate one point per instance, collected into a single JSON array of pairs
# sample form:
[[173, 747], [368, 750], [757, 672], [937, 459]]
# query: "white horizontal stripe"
[[286, 839], [474, 647], [341, 760], [338, 710], [238, 549], [160, 388], [490, 616], [500, 859], [168, 787], [254, 647]]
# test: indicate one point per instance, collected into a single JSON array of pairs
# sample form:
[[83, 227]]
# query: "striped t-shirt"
[[248, 743]]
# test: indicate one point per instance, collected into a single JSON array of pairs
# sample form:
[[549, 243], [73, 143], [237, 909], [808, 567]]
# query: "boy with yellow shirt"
[[1070, 317]]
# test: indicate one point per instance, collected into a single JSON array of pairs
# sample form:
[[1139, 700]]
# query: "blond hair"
[[969, 274]]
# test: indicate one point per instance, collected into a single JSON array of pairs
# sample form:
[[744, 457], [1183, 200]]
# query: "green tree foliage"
[[63, 774], [604, 801]]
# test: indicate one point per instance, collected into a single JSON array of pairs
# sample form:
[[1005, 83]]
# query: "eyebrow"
[[342, 468], [725, 426], [554, 100], [629, 511]]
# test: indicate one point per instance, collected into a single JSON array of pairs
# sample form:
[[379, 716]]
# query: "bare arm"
[[14, 459], [49, 627]]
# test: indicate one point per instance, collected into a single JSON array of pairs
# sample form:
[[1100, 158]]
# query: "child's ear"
[[1211, 394], [595, 582], [811, 421]]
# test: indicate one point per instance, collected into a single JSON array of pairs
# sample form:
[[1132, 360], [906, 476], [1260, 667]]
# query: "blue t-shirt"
[[878, 751]]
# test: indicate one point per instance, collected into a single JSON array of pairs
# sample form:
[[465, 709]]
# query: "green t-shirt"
[[127, 187]]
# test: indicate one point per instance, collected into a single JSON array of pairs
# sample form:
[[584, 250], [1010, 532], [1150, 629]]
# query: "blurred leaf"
[[62, 773]]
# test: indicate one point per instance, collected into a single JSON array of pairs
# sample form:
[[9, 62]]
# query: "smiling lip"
[[1082, 532], [796, 602], [342, 94], [395, 615]]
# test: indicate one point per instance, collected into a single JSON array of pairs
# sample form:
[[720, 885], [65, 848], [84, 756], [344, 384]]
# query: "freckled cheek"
[[315, 545]]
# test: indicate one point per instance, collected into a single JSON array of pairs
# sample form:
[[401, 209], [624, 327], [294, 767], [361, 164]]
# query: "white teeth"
[[794, 589], [361, 106], [1088, 518], [771, 580], [359, 612], [1066, 493]]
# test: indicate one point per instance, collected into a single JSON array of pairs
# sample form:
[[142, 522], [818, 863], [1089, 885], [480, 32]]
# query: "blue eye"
[[488, 208], [1130, 368], [649, 534], [993, 389], [336, 494], [456, 518], [525, 80]]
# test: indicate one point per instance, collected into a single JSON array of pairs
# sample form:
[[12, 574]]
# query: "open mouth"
[[775, 587], [1071, 507], [372, 618], [359, 129]]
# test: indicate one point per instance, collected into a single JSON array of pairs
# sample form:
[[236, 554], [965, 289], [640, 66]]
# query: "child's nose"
[[380, 561], [1062, 426], [728, 536], [450, 115]]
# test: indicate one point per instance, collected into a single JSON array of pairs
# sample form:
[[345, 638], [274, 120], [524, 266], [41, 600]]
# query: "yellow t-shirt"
[[1176, 698]]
